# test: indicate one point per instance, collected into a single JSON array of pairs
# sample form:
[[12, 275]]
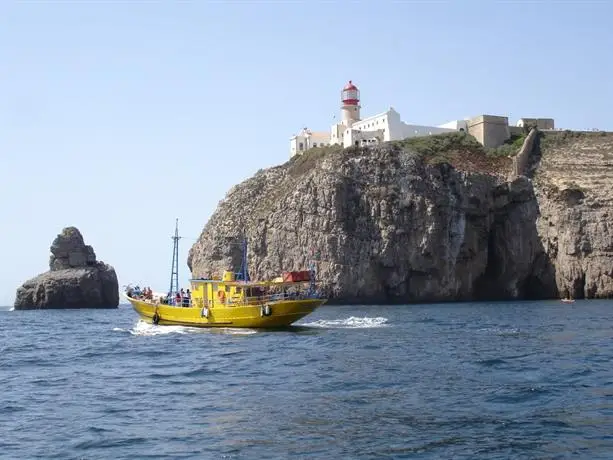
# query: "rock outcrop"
[[74, 280], [427, 219]]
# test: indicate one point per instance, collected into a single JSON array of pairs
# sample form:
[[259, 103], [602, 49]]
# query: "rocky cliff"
[[573, 180], [74, 280], [427, 219]]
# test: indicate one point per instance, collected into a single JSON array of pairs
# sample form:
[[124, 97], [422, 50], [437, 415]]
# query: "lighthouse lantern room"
[[350, 99], [350, 94]]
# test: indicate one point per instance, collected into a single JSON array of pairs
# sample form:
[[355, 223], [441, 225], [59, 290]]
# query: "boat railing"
[[230, 301], [280, 296]]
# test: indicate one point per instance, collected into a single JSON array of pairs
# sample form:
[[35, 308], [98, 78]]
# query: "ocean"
[[524, 380]]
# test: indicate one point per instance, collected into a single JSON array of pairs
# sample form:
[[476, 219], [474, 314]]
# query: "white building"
[[308, 139], [352, 130]]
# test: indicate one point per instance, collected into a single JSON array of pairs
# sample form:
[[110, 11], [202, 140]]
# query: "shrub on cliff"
[[458, 149]]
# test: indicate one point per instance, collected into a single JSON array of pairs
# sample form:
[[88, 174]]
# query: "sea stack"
[[75, 278]]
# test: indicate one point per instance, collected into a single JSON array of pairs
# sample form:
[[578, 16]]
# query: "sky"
[[119, 117]]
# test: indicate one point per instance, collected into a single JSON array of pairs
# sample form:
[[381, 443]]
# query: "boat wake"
[[142, 328], [353, 322]]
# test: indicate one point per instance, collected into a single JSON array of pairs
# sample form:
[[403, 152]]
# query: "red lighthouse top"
[[350, 94], [350, 85]]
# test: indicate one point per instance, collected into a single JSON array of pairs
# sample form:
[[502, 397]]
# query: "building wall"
[[372, 128], [337, 132], [297, 145], [319, 139], [516, 130], [420, 130], [364, 138], [371, 123], [306, 140], [400, 130], [456, 125], [489, 130], [540, 123]]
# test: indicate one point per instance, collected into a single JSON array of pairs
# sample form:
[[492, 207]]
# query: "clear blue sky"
[[117, 117]]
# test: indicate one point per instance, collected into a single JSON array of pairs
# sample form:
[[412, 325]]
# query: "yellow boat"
[[233, 301]]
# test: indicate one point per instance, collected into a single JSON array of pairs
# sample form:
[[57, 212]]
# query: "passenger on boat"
[[187, 295], [178, 298], [137, 292]]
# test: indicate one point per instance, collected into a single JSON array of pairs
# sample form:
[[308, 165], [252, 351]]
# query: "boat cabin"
[[228, 291]]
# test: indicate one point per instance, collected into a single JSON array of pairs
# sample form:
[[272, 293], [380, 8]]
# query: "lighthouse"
[[350, 104]]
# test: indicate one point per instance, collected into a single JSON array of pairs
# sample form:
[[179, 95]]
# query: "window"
[[314, 144], [301, 146]]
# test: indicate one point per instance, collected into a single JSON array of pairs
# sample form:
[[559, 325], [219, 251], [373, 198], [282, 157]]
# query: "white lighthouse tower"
[[350, 108]]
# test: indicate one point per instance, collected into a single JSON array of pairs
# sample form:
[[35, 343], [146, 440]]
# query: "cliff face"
[[574, 186], [74, 280], [425, 220]]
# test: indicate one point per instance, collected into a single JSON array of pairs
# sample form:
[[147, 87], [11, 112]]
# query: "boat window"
[[227, 288], [238, 290]]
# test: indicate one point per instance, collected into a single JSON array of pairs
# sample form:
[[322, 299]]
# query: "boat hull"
[[282, 313]]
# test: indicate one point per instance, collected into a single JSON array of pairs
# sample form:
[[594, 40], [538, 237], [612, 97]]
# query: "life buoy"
[[221, 295], [204, 313], [156, 318], [265, 310]]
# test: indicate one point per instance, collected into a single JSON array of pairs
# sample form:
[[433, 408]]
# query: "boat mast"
[[243, 273], [174, 271]]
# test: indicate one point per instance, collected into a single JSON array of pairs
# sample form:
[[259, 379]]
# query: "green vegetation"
[[554, 139], [439, 143], [300, 164], [510, 147], [441, 148], [459, 149]]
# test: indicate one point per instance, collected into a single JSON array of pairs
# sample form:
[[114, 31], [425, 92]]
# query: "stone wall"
[[491, 131]]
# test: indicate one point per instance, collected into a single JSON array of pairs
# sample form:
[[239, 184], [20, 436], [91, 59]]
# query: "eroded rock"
[[75, 278], [574, 186]]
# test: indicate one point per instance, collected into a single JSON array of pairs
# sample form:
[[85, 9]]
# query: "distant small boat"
[[567, 300]]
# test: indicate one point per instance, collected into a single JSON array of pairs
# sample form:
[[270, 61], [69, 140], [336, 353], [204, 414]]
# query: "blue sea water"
[[526, 380]]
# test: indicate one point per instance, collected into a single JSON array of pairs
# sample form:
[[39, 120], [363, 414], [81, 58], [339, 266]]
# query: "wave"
[[353, 322], [146, 329]]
